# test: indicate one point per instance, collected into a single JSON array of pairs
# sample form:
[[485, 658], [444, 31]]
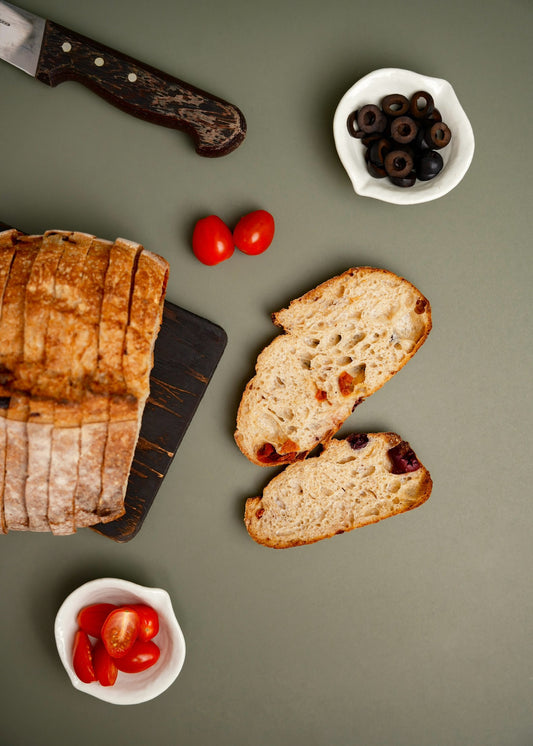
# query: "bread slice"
[[95, 407], [15, 512], [39, 432], [11, 354], [342, 342], [114, 319], [58, 381], [64, 459], [58, 378], [7, 252], [355, 481], [144, 321], [40, 295]]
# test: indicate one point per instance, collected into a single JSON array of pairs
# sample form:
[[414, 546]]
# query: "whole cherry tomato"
[[82, 658], [254, 232], [105, 668], [120, 631], [148, 621], [212, 241], [91, 618], [142, 655]]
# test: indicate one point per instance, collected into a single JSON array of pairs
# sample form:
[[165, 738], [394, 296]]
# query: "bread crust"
[[341, 342], [343, 488]]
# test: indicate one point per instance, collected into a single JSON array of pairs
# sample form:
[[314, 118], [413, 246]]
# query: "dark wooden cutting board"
[[186, 354], [187, 351]]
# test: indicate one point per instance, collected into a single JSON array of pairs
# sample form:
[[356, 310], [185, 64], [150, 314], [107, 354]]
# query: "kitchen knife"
[[53, 54]]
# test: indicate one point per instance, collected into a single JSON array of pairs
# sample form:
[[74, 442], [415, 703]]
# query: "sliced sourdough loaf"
[[78, 321], [342, 342], [355, 481]]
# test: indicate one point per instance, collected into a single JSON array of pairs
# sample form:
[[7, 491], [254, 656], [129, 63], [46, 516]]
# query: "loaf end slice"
[[355, 481], [343, 340]]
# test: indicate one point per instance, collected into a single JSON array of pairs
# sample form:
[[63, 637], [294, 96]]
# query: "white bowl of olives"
[[403, 137]]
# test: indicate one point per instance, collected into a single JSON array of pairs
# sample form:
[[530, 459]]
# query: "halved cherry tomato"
[[105, 668], [254, 232], [82, 658], [148, 621], [120, 631], [142, 655], [91, 618], [212, 241]]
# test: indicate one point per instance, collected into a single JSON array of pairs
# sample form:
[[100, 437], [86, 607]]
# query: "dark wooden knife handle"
[[215, 126]]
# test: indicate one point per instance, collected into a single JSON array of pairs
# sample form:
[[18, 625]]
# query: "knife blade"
[[53, 54]]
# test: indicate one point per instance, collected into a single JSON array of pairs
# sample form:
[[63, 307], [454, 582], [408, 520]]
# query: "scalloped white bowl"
[[129, 689], [457, 155]]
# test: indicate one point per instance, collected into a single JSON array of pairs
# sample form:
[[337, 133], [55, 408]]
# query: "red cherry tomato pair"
[[213, 242], [124, 641]]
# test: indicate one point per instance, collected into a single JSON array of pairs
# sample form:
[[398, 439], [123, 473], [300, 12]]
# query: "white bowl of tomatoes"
[[119, 641]]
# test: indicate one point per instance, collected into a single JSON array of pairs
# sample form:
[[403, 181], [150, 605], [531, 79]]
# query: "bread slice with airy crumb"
[[355, 481], [342, 342]]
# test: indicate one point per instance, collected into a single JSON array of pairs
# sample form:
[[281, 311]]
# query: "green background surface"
[[412, 632]]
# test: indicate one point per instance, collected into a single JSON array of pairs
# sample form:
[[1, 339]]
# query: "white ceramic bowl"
[[129, 689], [457, 155]]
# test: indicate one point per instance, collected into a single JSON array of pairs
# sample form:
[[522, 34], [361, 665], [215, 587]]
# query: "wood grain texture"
[[187, 352], [216, 126]]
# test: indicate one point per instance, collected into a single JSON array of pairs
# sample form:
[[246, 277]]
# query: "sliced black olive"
[[378, 151], [369, 140], [378, 172], [434, 116], [404, 181], [420, 140], [398, 163], [403, 129], [351, 123], [429, 165], [370, 118], [438, 135], [395, 105], [421, 105]]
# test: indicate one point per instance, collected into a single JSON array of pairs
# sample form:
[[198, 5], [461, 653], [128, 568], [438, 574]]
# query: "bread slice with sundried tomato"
[[355, 481], [343, 340]]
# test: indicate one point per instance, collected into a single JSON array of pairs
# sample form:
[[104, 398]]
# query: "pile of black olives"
[[402, 138]]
